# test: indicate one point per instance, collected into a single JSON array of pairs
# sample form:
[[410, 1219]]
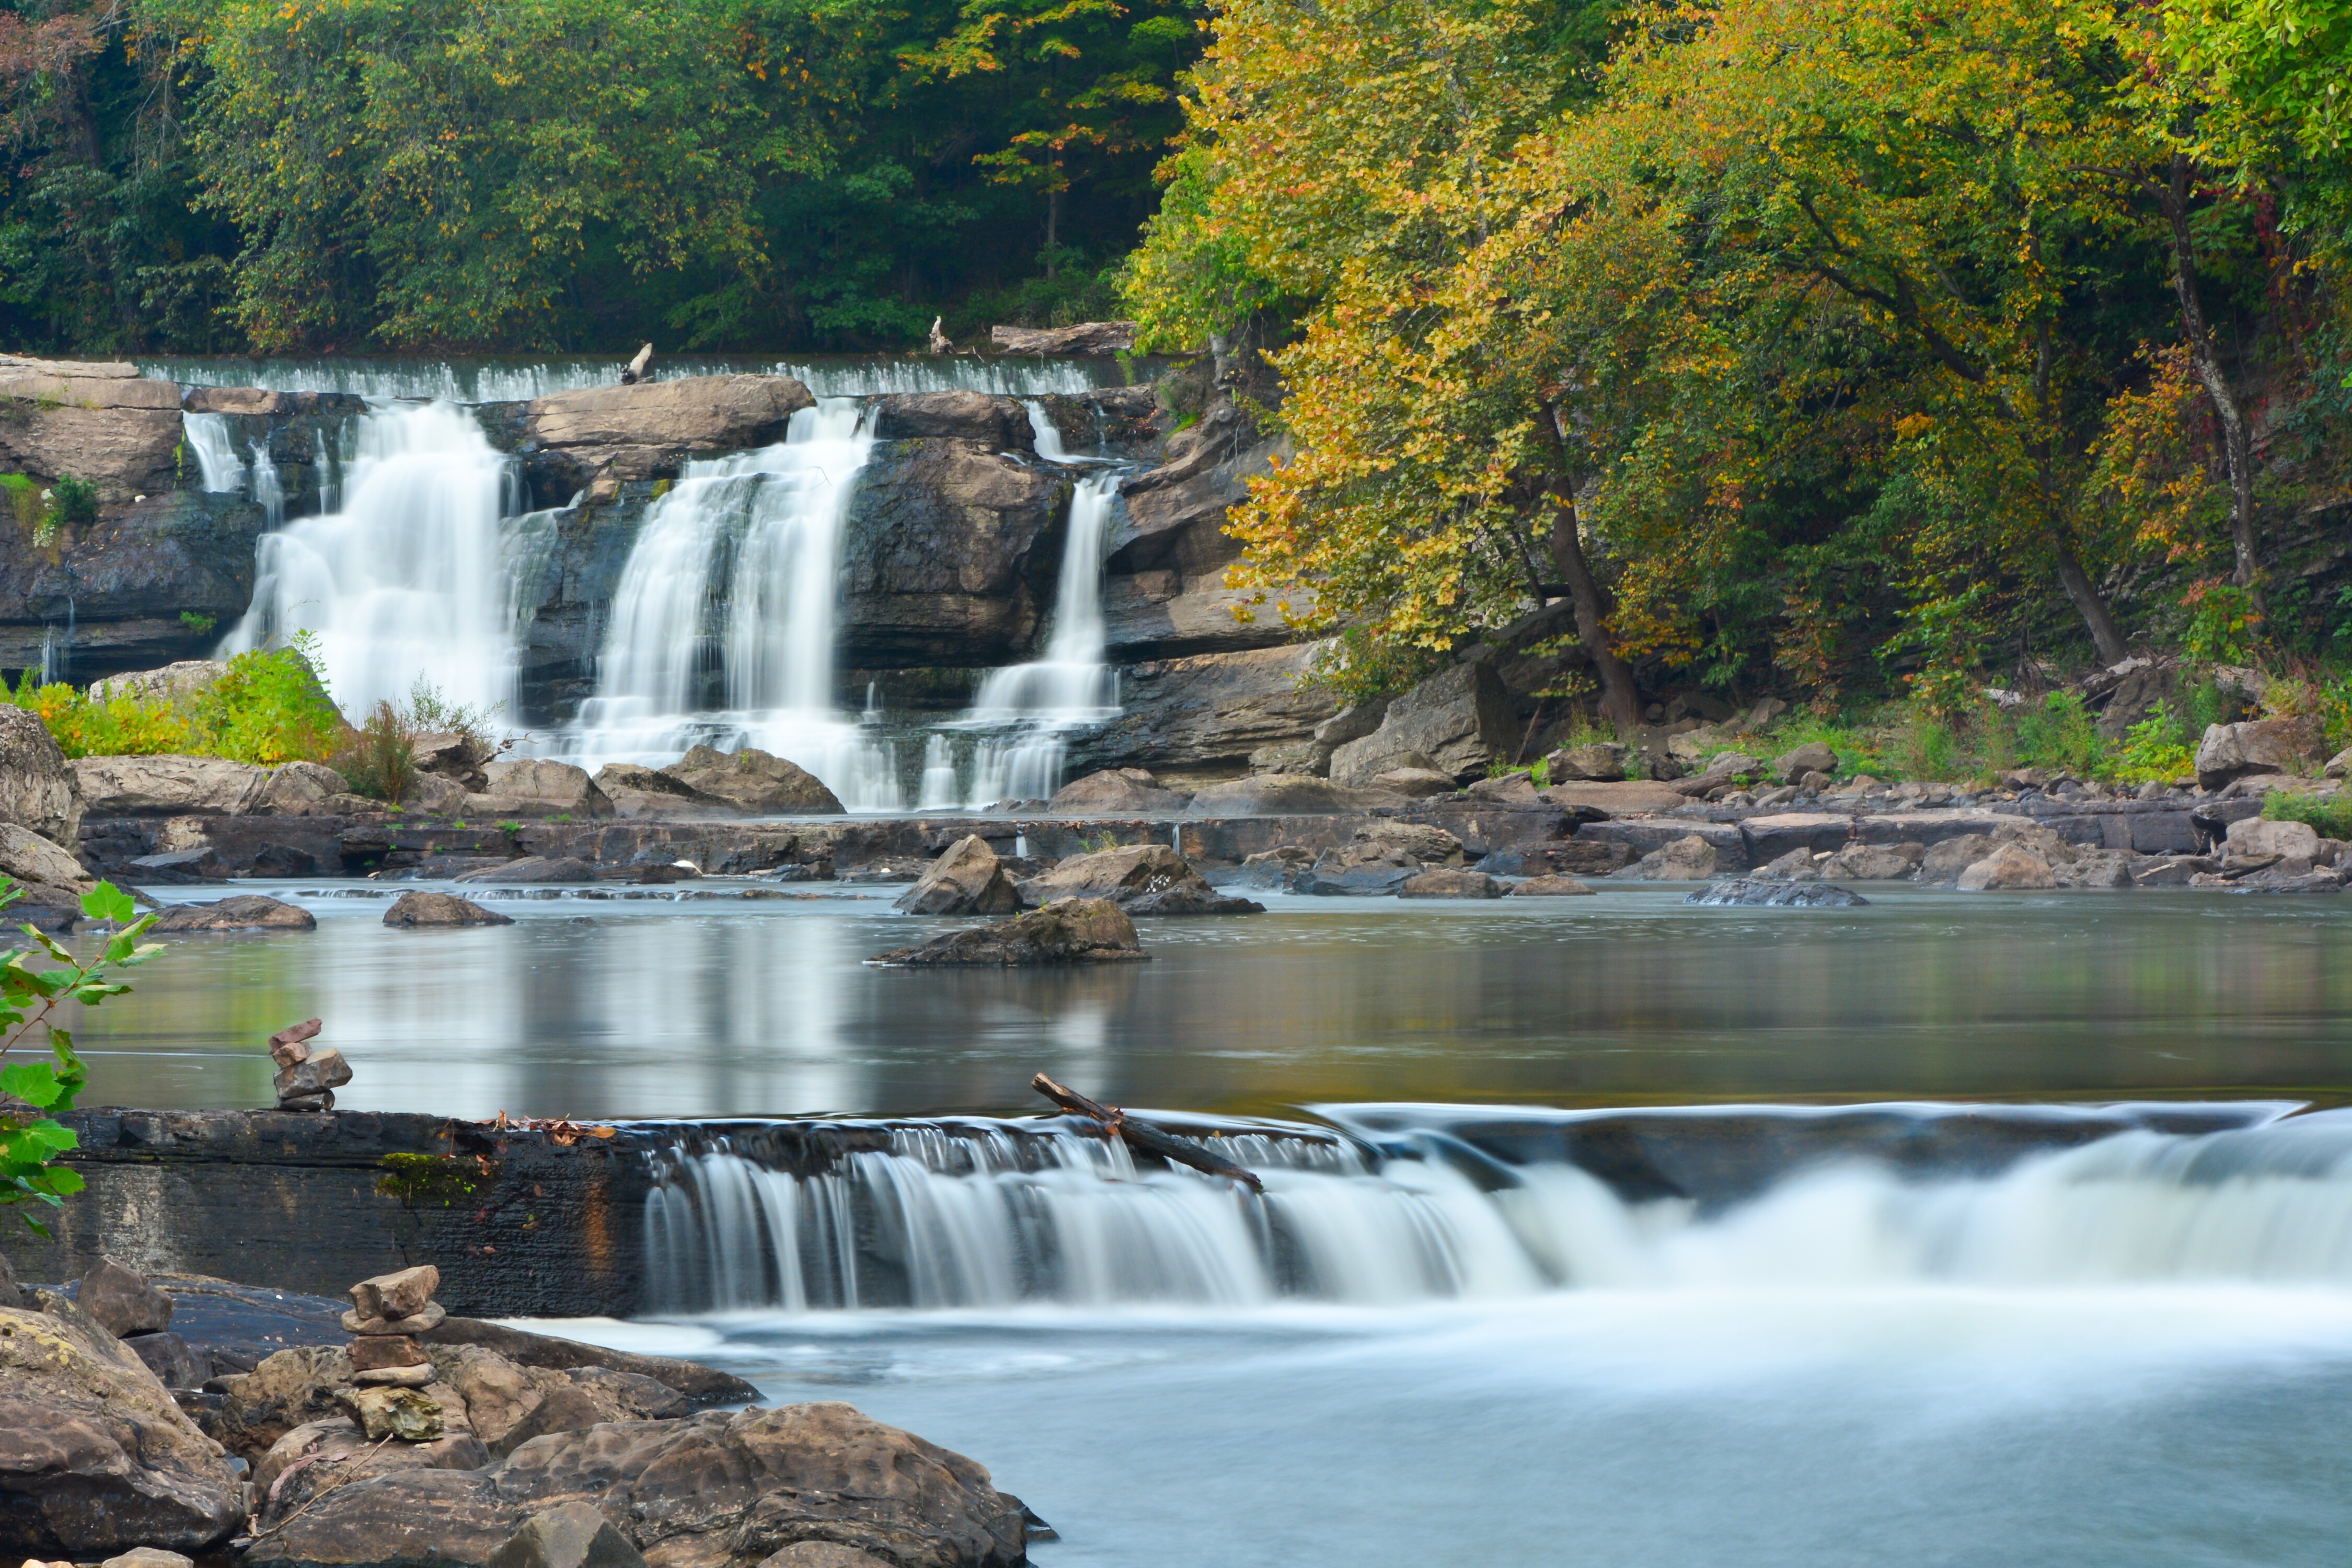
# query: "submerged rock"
[[1750, 893], [966, 880], [1450, 884], [1068, 930], [246, 912], [1142, 878], [441, 910]]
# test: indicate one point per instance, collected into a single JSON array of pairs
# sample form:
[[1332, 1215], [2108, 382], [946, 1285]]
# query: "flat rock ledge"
[[1751, 894]]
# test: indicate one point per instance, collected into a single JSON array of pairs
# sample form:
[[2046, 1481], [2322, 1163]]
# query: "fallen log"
[[1145, 1137], [635, 371]]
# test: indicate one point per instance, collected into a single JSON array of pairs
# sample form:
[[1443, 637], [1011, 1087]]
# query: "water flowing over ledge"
[[1413, 1205], [509, 381]]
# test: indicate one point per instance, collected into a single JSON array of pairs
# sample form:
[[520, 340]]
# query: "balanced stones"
[[308, 1075], [387, 1313]]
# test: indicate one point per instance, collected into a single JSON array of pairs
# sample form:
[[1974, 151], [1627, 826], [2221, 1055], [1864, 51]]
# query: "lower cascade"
[[977, 1216]]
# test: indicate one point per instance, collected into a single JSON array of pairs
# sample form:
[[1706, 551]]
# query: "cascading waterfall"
[[218, 468], [409, 579], [471, 381], [961, 1217], [269, 493], [735, 573]]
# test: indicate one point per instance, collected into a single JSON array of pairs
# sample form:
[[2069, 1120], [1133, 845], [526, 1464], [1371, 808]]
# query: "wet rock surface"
[[414, 910], [38, 789], [966, 880], [1069, 930], [754, 782], [1142, 878], [1748, 893], [245, 912]]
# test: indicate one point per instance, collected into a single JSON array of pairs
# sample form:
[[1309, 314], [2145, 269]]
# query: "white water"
[[493, 381], [409, 579], [217, 464], [268, 490], [1081, 1226], [735, 576]]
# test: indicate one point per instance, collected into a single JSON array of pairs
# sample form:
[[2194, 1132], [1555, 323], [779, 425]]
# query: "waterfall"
[[267, 488], [514, 381], [409, 578], [734, 581], [961, 1217], [217, 465]]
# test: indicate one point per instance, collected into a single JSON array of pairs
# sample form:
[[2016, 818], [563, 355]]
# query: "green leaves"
[[31, 1142]]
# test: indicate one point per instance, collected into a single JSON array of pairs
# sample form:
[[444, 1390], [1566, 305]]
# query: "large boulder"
[[38, 789], [1380, 859], [2257, 837], [167, 785], [175, 683], [1450, 884], [94, 1455], [1001, 423], [538, 786], [1792, 767], [1142, 878], [306, 789], [1551, 886], [2012, 866], [1602, 761], [1115, 791], [966, 880], [642, 792], [122, 1301], [1205, 714], [714, 1491], [246, 912], [1459, 719], [28, 858], [414, 909], [1634, 798], [1872, 863], [2230, 752], [597, 438], [533, 870], [1069, 930], [1285, 794], [457, 756], [1690, 859], [1416, 782], [755, 782], [1947, 858]]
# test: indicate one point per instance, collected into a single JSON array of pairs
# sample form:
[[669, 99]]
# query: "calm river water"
[[2133, 1356]]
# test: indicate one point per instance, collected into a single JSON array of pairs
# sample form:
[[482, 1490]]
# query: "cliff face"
[[950, 552]]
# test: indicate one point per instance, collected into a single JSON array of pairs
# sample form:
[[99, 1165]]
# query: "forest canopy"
[[365, 175]]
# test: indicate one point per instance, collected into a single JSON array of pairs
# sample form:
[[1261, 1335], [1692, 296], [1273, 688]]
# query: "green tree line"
[[365, 175], [1858, 345]]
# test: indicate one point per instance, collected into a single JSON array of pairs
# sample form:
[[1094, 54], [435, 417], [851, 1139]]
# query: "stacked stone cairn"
[[308, 1075], [387, 1314]]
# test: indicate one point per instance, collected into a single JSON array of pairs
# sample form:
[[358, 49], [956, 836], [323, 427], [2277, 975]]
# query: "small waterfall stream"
[[967, 1216], [409, 578], [218, 468]]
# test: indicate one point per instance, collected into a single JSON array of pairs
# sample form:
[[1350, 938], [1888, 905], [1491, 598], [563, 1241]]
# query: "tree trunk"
[[2093, 608], [2237, 440], [1618, 698]]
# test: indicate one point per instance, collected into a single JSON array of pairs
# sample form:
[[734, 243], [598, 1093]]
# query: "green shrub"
[[376, 760], [270, 706], [2156, 749], [2059, 732], [2331, 815], [73, 499], [84, 727], [1926, 746], [1541, 775]]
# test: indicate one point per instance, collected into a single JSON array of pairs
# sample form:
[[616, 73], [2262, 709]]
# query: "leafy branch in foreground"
[[31, 1139]]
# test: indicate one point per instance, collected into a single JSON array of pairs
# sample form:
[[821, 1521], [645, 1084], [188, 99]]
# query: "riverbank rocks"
[[176, 682], [1415, 781], [39, 789], [1752, 893], [167, 785], [569, 1535], [754, 782], [1115, 791], [102, 422], [94, 1454], [309, 789], [2227, 753], [29, 858], [713, 1490], [1871, 863], [538, 786], [1068, 930], [966, 880], [1551, 886], [1947, 858], [1285, 794], [1690, 859], [533, 870], [1002, 424], [1458, 719], [245, 912], [308, 1074], [441, 910], [1142, 878], [1792, 766], [601, 436], [2011, 867], [1380, 859], [2255, 837], [642, 792]]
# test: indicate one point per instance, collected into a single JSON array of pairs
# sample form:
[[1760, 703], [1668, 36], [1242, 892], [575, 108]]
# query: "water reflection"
[[708, 1007]]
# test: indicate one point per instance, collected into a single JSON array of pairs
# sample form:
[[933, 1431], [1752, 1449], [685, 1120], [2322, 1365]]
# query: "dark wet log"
[[1145, 1137]]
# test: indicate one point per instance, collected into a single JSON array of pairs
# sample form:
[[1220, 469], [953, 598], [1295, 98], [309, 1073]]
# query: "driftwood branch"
[[635, 371], [1145, 1137]]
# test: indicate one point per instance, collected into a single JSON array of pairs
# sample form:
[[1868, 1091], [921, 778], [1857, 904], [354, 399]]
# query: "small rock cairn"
[[309, 1075], [387, 1313]]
